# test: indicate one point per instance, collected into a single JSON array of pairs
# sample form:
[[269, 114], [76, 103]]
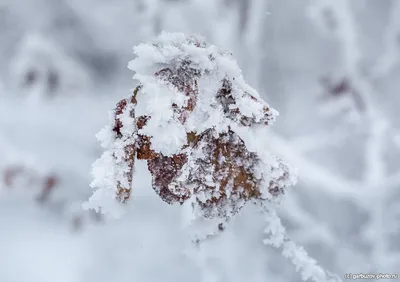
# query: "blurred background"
[[330, 67]]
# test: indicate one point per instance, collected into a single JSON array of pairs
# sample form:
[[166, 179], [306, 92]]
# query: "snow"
[[343, 212]]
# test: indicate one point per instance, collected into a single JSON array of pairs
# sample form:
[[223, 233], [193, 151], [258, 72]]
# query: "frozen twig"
[[305, 265], [375, 173], [390, 56]]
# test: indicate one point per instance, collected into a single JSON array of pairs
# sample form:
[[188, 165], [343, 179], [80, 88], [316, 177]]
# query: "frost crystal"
[[189, 119]]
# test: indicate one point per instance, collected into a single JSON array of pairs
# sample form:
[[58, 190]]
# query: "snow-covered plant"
[[195, 121], [189, 118], [41, 68], [23, 180], [20, 177]]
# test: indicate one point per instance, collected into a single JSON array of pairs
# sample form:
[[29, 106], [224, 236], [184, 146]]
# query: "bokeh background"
[[330, 67]]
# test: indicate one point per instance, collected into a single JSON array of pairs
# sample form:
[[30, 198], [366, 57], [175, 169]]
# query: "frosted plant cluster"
[[189, 118], [195, 121]]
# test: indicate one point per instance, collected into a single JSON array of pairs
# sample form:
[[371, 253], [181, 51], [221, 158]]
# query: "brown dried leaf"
[[229, 104], [226, 157]]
